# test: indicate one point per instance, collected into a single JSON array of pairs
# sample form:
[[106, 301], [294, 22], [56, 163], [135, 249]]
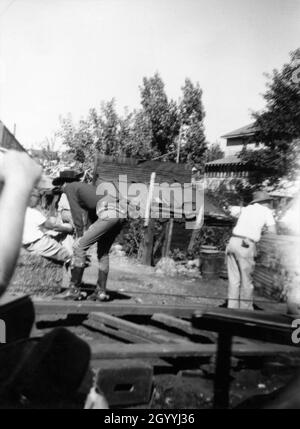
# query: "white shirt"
[[32, 225], [252, 220]]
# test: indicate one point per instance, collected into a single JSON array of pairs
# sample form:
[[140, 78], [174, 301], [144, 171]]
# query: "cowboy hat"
[[261, 196], [66, 176], [45, 371]]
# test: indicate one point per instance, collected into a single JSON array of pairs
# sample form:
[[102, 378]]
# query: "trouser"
[[103, 232], [240, 265], [49, 247]]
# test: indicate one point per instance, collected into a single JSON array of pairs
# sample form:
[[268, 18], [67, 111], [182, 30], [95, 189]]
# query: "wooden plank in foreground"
[[181, 325], [122, 351], [144, 332], [115, 333], [117, 308]]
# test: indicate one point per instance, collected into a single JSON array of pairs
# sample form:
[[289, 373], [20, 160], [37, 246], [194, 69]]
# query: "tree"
[[139, 144], [162, 114], [78, 139], [279, 126], [146, 133], [99, 132], [214, 152], [109, 126], [191, 113]]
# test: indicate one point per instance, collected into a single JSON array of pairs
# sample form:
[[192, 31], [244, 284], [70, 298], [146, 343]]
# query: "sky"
[[66, 56]]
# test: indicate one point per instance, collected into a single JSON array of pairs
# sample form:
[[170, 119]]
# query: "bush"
[[131, 237]]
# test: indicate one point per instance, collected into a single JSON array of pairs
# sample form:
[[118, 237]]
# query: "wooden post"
[[168, 238], [147, 252], [147, 244], [178, 147], [149, 199], [196, 229], [170, 227]]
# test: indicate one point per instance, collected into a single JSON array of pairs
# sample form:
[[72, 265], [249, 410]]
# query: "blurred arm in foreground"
[[18, 175]]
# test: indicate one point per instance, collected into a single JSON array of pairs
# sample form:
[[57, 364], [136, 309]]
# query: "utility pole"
[[178, 147]]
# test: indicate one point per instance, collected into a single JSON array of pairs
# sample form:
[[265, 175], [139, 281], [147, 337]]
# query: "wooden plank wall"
[[277, 265]]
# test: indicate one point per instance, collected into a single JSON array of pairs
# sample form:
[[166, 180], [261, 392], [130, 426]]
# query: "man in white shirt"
[[38, 233], [241, 249]]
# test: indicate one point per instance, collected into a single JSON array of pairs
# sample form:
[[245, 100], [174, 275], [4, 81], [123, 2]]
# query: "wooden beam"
[[144, 332], [122, 351], [182, 325], [116, 333], [117, 308]]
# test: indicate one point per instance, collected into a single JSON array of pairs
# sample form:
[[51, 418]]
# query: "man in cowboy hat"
[[241, 249], [66, 176], [105, 224]]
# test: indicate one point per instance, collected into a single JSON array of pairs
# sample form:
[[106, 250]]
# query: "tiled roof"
[[247, 130], [228, 160]]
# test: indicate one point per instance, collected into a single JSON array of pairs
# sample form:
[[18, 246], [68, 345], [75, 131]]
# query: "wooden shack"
[[278, 265], [109, 169]]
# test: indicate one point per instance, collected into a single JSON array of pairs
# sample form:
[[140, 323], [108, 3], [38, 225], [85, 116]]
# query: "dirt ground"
[[131, 280]]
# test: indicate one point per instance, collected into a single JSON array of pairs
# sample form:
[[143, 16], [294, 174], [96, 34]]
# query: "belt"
[[243, 237]]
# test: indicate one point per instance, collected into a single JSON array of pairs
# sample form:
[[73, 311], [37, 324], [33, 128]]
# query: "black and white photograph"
[[150, 207]]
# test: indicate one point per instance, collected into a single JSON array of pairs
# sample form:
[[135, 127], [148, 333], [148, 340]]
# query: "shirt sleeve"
[[76, 210], [270, 221], [39, 218]]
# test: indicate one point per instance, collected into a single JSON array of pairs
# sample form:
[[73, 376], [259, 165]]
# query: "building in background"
[[230, 168], [242, 138]]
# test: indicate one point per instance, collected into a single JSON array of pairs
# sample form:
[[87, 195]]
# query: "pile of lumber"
[[277, 266]]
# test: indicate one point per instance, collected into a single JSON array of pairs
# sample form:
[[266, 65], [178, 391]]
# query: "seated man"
[[41, 235], [18, 174]]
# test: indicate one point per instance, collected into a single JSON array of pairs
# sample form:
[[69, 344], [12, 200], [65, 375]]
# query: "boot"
[[73, 291], [100, 291]]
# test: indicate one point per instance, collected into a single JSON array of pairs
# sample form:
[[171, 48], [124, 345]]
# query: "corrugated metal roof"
[[109, 170]]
